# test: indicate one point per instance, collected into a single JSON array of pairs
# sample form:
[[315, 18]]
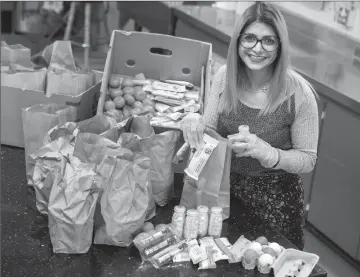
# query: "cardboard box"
[[158, 57], [14, 99]]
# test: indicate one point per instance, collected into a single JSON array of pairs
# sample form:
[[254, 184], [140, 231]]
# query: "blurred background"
[[325, 48]]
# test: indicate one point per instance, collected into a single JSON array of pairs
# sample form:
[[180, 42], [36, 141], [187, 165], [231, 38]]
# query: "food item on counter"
[[203, 219], [129, 99], [148, 226], [265, 262], [160, 107], [114, 81], [178, 220], [158, 261], [209, 263], [179, 156], [239, 247], [109, 105], [181, 83], [115, 92], [139, 93], [127, 82], [191, 226], [158, 247], [269, 250], [168, 87], [256, 246], [276, 247], [149, 109], [200, 157], [262, 240], [249, 259], [182, 257], [141, 236], [128, 90], [127, 111], [217, 253], [215, 223], [154, 238], [197, 254], [161, 227], [119, 102], [139, 76], [137, 105], [148, 102]]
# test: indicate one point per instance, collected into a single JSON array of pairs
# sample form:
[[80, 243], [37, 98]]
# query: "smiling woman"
[[269, 114]]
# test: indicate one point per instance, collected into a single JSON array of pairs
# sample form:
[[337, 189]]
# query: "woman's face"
[[257, 58]]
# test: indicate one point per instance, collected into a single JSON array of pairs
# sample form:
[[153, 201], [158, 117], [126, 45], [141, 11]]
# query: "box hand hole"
[[160, 51], [186, 71], [130, 63]]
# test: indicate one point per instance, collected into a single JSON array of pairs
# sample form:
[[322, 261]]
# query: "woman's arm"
[[304, 135], [211, 113]]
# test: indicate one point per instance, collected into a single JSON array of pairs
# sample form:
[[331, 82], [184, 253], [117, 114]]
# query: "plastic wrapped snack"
[[152, 240], [216, 251], [158, 261], [209, 263], [200, 157]]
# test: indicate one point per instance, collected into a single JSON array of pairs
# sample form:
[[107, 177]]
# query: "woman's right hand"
[[193, 127]]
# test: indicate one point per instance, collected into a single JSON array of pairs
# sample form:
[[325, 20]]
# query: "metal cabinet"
[[335, 194]]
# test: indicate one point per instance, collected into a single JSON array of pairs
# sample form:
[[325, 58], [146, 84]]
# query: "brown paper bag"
[[63, 77], [92, 148], [50, 161], [15, 54], [213, 187], [100, 125], [37, 121], [160, 148], [124, 201], [72, 205], [17, 70]]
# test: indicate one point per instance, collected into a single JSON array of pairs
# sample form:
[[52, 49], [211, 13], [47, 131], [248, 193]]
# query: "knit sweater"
[[295, 134]]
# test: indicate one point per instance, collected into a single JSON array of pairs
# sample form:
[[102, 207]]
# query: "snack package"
[[182, 257], [142, 244], [200, 157], [216, 251], [179, 156], [197, 254], [152, 250], [158, 261], [209, 263]]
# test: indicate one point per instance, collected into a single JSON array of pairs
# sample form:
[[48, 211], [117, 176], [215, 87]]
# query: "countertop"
[[333, 74], [27, 251]]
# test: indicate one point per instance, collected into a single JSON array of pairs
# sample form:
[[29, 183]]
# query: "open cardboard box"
[[14, 99], [158, 57]]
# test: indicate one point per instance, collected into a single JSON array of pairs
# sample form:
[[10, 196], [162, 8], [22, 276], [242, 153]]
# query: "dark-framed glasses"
[[268, 43]]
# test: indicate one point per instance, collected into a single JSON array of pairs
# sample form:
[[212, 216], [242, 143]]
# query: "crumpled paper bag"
[[124, 201], [100, 125], [49, 166], [17, 69], [71, 207], [63, 77], [37, 121], [160, 148]]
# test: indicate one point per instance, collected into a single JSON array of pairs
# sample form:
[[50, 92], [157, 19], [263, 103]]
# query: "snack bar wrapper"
[[200, 157]]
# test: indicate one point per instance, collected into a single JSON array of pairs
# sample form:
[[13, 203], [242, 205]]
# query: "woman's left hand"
[[246, 144]]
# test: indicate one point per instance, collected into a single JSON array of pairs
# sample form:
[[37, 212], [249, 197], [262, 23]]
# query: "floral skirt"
[[277, 199]]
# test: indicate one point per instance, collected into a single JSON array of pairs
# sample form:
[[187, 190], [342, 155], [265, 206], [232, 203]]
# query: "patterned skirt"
[[277, 199]]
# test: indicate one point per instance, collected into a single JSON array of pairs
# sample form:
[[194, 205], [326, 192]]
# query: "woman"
[[257, 88]]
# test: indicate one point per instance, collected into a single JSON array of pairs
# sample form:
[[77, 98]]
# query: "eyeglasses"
[[268, 43]]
